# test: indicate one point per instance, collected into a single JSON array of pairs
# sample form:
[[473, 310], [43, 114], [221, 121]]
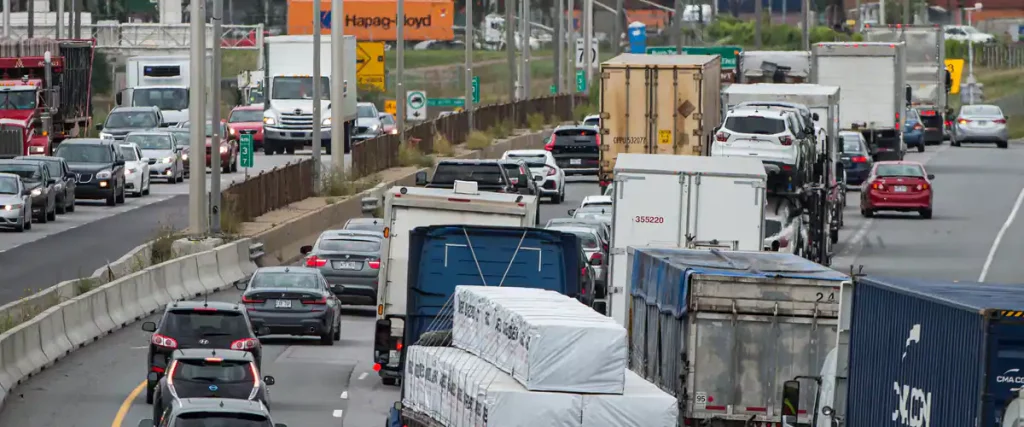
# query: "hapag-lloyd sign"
[[386, 22]]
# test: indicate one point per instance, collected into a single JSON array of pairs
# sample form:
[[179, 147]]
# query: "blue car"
[[856, 158], [913, 130]]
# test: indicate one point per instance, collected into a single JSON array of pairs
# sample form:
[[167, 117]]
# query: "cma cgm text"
[[386, 22]]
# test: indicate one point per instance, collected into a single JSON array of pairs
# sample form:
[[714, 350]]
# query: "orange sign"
[[376, 20]]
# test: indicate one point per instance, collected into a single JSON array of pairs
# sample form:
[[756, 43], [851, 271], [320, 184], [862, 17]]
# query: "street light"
[[971, 80]]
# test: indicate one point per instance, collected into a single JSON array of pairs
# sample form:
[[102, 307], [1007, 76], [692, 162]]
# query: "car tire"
[[62, 208], [1002, 144], [225, 169], [920, 148], [28, 221], [180, 176], [120, 196], [112, 199], [42, 218], [337, 331], [954, 142], [328, 339], [20, 228], [268, 149], [290, 150], [234, 165], [71, 205], [279, 150], [389, 381], [52, 215], [149, 393], [867, 213], [926, 213], [145, 190], [833, 235]]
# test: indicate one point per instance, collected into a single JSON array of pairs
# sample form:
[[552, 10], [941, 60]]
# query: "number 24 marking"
[[831, 297]]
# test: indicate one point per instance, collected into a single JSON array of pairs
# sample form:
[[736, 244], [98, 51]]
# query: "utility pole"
[[339, 81], [60, 18], [76, 5], [906, 13], [197, 219], [677, 26], [317, 116], [510, 47], [881, 14], [616, 38], [588, 40], [7, 18], [469, 105], [559, 38], [401, 96], [758, 17], [805, 19], [571, 20], [524, 39], [31, 19], [215, 140]]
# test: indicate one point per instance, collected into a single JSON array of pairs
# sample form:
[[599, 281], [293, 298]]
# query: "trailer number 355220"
[[649, 219]]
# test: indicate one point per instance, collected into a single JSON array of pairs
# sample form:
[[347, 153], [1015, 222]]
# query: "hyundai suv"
[[774, 136], [194, 373]]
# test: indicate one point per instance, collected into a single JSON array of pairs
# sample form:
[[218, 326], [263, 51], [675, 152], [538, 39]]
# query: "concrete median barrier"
[[10, 375], [209, 274], [190, 276], [112, 293], [228, 264], [156, 289], [28, 348], [244, 262], [167, 276], [52, 335], [144, 292], [135, 260], [79, 325], [100, 314]]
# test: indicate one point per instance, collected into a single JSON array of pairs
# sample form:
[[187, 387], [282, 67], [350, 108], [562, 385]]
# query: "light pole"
[[557, 37], [468, 105], [510, 48], [401, 97], [971, 80], [340, 82], [588, 40], [215, 140], [524, 39], [198, 221], [317, 114]]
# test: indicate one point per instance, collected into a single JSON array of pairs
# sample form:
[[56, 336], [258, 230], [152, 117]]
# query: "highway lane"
[[316, 385], [66, 249]]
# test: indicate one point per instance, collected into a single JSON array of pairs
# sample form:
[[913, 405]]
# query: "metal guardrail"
[[161, 37]]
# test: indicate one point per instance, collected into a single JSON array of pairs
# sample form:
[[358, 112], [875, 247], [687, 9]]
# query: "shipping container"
[[658, 104], [722, 331], [376, 20], [929, 353]]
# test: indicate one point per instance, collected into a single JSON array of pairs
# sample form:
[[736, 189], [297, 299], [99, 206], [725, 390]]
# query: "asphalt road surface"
[[78, 243], [101, 384]]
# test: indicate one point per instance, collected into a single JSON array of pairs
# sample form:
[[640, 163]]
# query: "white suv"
[[772, 135]]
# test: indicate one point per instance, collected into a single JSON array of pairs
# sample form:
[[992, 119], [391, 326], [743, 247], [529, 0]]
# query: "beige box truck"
[[658, 104]]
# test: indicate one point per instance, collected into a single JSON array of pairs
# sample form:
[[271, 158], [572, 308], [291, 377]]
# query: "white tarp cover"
[[458, 389], [642, 404], [547, 342]]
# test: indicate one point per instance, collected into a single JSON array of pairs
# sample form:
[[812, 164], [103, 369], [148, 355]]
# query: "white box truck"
[[288, 116], [874, 94], [162, 82], [682, 202]]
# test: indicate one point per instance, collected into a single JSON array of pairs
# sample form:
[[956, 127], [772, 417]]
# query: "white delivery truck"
[[162, 82], [773, 66], [682, 202], [874, 95], [288, 116]]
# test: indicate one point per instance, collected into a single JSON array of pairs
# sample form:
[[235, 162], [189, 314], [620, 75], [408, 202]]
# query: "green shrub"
[[409, 155], [478, 140]]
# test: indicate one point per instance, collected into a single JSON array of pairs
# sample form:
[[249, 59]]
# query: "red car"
[[247, 119], [228, 148], [390, 125], [897, 186]]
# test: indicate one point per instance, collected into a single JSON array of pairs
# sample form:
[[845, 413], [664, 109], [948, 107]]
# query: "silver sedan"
[[980, 123]]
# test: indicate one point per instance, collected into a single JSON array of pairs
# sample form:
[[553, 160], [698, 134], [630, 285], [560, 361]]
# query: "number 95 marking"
[[649, 219]]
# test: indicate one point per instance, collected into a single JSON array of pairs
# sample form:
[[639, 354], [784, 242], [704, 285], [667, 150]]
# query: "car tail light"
[[786, 140], [918, 127], [783, 242], [922, 187], [315, 261], [859, 159], [596, 257], [1000, 121], [787, 168], [552, 171], [376, 367], [583, 271], [597, 140], [321, 301], [722, 136], [551, 143], [878, 186], [163, 341], [247, 300], [244, 344], [605, 247], [255, 380], [963, 121], [398, 345], [897, 121], [374, 264]]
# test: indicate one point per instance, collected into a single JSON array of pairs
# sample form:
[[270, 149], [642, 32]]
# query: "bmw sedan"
[[350, 261], [292, 301]]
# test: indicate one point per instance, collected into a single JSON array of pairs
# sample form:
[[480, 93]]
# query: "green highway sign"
[[581, 81], [245, 151], [446, 102], [554, 89], [476, 89], [729, 54]]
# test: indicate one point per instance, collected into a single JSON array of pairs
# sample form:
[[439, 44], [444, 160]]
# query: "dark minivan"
[[99, 167], [577, 149]]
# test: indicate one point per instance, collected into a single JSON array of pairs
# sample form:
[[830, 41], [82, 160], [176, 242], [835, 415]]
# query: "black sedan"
[[99, 166], [40, 185], [292, 301], [350, 261], [66, 180], [227, 374]]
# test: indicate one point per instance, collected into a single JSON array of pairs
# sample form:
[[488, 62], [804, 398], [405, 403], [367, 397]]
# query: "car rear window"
[[572, 136], [213, 371], [285, 280], [587, 240], [531, 161], [365, 226], [350, 245], [851, 144], [185, 323], [772, 227], [900, 170], [981, 110], [755, 125], [489, 174], [220, 419], [592, 122]]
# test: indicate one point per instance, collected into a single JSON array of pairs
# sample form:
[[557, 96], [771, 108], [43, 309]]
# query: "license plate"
[[982, 122], [393, 357], [298, 135], [283, 303], [900, 189], [575, 161], [346, 265]]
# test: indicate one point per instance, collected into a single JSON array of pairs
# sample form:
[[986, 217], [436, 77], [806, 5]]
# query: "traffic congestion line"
[[999, 237], [127, 405]]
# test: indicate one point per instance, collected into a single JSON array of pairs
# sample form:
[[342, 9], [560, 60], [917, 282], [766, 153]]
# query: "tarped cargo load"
[[458, 389], [641, 404], [548, 344], [376, 20]]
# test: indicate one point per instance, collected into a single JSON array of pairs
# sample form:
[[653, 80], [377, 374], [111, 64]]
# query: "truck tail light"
[[897, 121]]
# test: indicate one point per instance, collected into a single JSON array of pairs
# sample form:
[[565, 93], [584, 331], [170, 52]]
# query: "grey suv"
[[123, 120]]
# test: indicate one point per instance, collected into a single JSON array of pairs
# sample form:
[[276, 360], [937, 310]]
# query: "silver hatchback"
[[350, 261], [980, 123]]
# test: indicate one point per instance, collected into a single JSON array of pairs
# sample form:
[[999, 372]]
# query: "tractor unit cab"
[[23, 106]]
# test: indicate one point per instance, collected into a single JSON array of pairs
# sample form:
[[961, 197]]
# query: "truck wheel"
[[290, 149], [268, 149]]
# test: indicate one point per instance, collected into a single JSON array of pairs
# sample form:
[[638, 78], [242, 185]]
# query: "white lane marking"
[[140, 347], [344, 395], [857, 237], [362, 376], [999, 236], [337, 413]]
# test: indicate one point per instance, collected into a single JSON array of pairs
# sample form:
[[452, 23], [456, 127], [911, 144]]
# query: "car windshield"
[[151, 142], [8, 185], [365, 112], [387, 119], [246, 116], [213, 371], [131, 119], [299, 88], [162, 98], [285, 280], [981, 110], [900, 170], [755, 125], [220, 419], [193, 323], [593, 121], [84, 153], [970, 30], [53, 167], [349, 245], [772, 227], [181, 139], [129, 153], [488, 174]]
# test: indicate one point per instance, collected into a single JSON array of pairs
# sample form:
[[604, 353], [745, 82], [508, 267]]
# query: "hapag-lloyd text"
[[385, 23]]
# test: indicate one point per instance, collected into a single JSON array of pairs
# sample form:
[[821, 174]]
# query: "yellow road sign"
[[956, 71], [370, 64], [390, 107]]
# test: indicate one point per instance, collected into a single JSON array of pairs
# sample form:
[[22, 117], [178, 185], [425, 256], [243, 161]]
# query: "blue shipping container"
[[933, 354]]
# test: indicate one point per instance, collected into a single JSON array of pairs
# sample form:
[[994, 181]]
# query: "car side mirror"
[[572, 212], [421, 178], [931, 176], [815, 116], [262, 330], [118, 162], [269, 380], [305, 250], [26, 192], [118, 98], [99, 126], [51, 181], [149, 326], [146, 422]]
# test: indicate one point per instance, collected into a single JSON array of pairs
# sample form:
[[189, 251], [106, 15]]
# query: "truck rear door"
[[1005, 374], [873, 108], [728, 210]]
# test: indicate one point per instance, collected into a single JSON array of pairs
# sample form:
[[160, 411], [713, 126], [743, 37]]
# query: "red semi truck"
[[44, 94]]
